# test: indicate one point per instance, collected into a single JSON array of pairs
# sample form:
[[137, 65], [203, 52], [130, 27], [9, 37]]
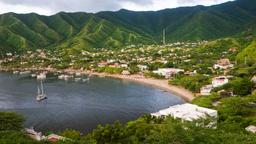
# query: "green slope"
[[99, 33], [189, 23], [248, 55], [20, 32]]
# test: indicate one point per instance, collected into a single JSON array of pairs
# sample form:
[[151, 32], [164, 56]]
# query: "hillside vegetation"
[[22, 32], [248, 55]]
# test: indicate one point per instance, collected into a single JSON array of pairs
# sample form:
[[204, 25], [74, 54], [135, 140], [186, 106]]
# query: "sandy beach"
[[161, 84]]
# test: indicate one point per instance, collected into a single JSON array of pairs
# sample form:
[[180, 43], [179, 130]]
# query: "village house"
[[254, 79], [188, 73], [223, 64], [124, 65], [8, 54], [111, 61], [189, 112], [102, 64], [224, 93], [29, 52], [251, 129], [125, 72], [38, 136], [168, 72], [115, 65], [233, 50], [142, 67], [55, 138], [42, 54], [219, 81], [206, 90]]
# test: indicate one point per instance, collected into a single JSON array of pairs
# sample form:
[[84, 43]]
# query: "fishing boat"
[[40, 94]]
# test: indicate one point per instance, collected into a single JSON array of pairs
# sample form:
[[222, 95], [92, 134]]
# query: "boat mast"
[[42, 87], [38, 90]]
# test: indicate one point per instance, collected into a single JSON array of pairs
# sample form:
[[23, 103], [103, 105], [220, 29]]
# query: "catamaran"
[[40, 94]]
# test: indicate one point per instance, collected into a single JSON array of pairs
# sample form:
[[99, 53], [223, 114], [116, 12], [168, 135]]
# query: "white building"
[[206, 90], [111, 61], [188, 112], [143, 67], [219, 81], [34, 135], [167, 72], [38, 136], [254, 79], [223, 64], [124, 65], [251, 129], [8, 54]]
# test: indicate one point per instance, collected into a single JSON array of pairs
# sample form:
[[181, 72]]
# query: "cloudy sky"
[[49, 7]]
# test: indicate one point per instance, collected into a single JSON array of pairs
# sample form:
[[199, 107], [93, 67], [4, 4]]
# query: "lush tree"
[[15, 137], [10, 121], [193, 83], [239, 86], [72, 134]]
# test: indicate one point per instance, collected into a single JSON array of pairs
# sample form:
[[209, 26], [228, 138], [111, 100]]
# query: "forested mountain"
[[20, 32]]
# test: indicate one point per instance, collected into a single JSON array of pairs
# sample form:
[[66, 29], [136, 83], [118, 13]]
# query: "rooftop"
[[187, 112]]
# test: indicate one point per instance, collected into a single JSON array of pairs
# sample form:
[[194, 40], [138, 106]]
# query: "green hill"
[[248, 55], [21, 32]]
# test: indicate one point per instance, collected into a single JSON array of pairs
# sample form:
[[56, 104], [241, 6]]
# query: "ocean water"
[[80, 106]]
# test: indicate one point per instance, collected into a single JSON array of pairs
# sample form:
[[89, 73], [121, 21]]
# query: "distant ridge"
[[21, 32]]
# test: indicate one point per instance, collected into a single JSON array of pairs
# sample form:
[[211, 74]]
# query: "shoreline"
[[185, 94], [157, 83]]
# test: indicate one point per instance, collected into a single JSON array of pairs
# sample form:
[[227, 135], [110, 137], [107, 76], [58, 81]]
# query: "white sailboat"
[[40, 94]]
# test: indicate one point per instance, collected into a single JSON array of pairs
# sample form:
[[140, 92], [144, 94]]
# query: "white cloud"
[[4, 8], [48, 7], [154, 5], [162, 4], [199, 2]]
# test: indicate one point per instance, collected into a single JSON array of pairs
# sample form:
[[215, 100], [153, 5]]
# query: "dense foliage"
[[10, 121], [11, 125], [239, 86], [192, 83], [247, 56], [235, 113]]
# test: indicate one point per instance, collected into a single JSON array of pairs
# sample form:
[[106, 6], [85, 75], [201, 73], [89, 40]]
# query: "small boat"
[[16, 72], [33, 75], [25, 72], [77, 79], [67, 77], [40, 94], [41, 76], [78, 74], [86, 80], [61, 77]]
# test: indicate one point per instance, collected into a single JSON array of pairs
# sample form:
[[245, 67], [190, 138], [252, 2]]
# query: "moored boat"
[[40, 94]]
